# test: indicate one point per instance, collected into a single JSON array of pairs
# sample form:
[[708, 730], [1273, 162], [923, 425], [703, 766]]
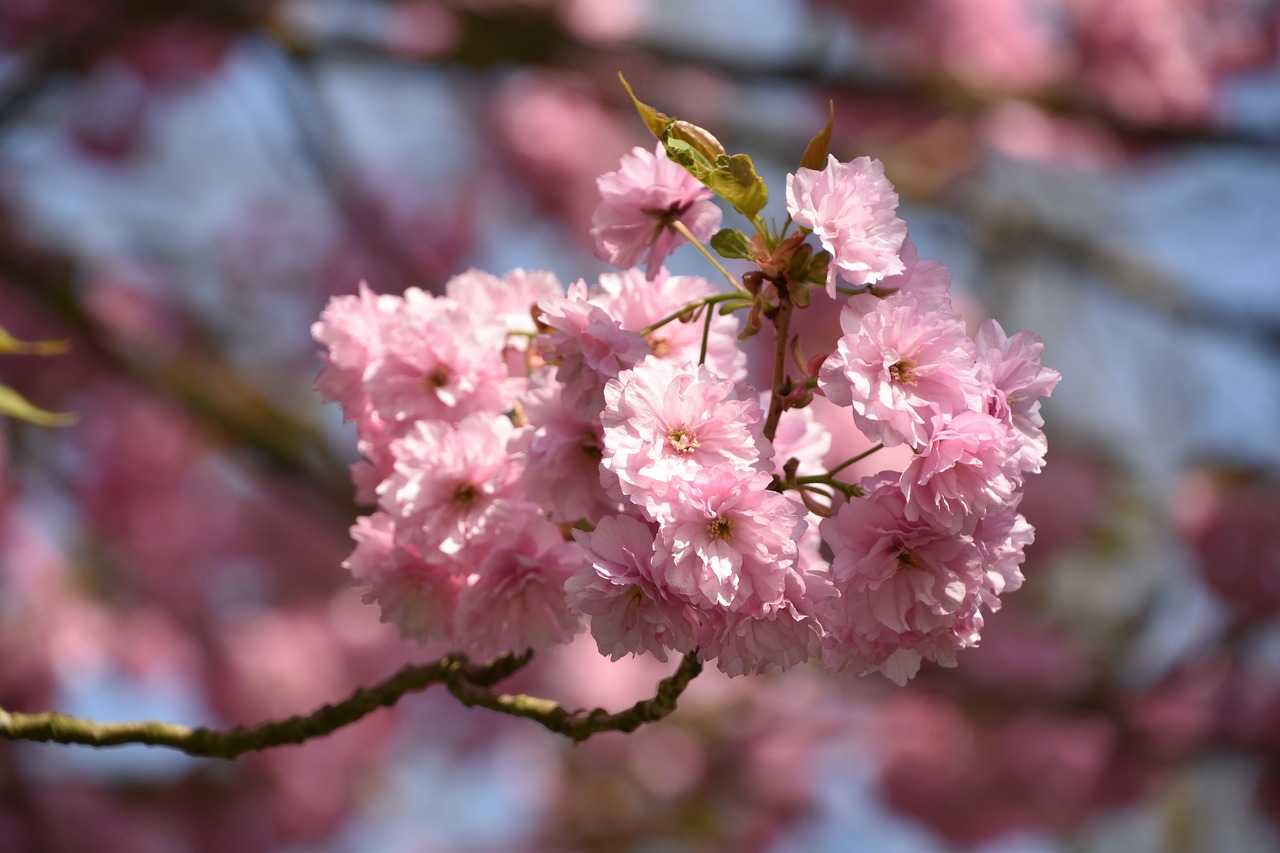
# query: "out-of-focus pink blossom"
[[639, 204], [1229, 519], [972, 780]]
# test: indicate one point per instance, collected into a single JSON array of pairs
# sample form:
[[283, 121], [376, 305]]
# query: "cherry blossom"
[[899, 365], [852, 208], [640, 202]]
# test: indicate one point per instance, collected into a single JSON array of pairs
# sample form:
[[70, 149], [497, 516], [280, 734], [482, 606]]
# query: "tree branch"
[[580, 725], [231, 743], [469, 682]]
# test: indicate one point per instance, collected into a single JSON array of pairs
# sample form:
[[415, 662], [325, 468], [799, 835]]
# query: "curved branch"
[[232, 743], [580, 725], [469, 682]]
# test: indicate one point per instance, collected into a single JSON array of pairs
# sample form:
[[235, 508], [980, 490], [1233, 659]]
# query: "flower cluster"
[[545, 460]]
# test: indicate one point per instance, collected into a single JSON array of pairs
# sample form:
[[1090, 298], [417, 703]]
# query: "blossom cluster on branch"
[[544, 460]]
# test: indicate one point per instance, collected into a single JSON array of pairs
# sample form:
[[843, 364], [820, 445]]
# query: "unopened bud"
[[697, 138]]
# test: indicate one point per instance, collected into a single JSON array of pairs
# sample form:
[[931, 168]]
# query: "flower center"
[[465, 494], [904, 371], [906, 558], [439, 376], [682, 440], [720, 528], [659, 346]]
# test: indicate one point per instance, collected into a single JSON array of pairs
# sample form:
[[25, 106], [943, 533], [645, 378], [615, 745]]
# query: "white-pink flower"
[[447, 479], [966, 469], [516, 600], [901, 364], [640, 202], [725, 540], [852, 208], [1001, 538], [561, 454], [508, 301], [924, 279], [415, 594], [630, 613], [1015, 381], [791, 633], [638, 302], [589, 347], [439, 362], [664, 422], [351, 329], [908, 589]]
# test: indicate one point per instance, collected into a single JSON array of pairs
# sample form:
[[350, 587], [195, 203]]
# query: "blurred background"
[[184, 184]]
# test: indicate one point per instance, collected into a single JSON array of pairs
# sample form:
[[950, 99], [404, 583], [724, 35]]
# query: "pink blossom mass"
[[547, 461]]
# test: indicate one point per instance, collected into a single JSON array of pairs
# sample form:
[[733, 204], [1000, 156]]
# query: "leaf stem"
[[683, 230]]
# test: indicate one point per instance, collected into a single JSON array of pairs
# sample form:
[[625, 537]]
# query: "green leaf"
[[13, 404], [740, 185], [10, 345], [731, 243], [733, 178], [656, 122], [815, 154]]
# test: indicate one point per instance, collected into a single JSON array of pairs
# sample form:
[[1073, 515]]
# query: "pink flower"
[[589, 346], [446, 480], [923, 279], [909, 590], [438, 362], [561, 454], [852, 208], [1001, 538], [630, 612], [517, 599], [964, 471], [638, 302], [351, 329], [790, 634], [507, 301], [901, 364], [639, 203], [1011, 371], [725, 540], [801, 436], [663, 422], [417, 596]]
